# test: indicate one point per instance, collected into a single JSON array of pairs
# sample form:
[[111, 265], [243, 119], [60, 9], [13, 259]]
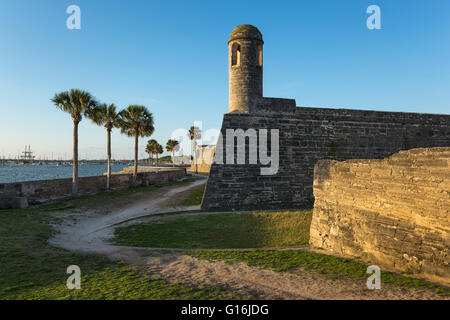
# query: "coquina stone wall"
[[307, 135], [204, 156], [393, 212], [42, 190]]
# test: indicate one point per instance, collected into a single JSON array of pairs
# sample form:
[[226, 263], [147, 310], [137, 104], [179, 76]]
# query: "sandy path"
[[268, 284], [90, 233]]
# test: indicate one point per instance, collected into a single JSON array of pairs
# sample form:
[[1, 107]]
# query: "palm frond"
[[194, 133], [76, 102], [136, 120], [172, 145]]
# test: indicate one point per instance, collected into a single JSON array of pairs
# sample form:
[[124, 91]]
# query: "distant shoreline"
[[35, 172]]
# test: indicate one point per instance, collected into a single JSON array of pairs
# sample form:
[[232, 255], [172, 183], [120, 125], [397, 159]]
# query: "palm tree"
[[136, 121], [194, 134], [150, 154], [172, 146], [107, 116], [153, 147], [77, 103]]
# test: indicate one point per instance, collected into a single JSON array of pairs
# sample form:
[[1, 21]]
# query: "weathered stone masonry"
[[306, 136], [393, 212]]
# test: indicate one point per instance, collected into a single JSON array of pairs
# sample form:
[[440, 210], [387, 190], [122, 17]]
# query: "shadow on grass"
[[329, 267], [220, 231]]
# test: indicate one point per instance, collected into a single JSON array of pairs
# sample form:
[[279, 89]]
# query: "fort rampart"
[[307, 135], [393, 212]]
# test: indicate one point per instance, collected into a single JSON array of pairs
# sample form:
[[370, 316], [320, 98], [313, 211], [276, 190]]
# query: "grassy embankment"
[[219, 231], [31, 269], [194, 196], [254, 230]]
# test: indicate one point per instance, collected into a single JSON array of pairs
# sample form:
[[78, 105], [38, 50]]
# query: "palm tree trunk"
[[173, 159], [195, 156], [136, 137], [108, 176], [75, 159], [156, 159]]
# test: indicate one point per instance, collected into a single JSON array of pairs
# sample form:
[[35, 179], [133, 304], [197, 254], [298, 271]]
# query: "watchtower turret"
[[245, 69]]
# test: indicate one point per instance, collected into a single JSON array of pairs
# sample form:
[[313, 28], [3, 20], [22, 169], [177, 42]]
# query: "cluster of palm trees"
[[134, 121], [154, 148]]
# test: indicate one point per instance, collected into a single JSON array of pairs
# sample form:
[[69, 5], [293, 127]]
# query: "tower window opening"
[[235, 54], [259, 55]]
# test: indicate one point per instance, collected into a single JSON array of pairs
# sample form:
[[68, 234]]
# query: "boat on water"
[[27, 156]]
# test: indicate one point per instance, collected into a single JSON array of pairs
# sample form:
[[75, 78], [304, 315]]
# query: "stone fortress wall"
[[204, 156], [306, 135], [393, 212]]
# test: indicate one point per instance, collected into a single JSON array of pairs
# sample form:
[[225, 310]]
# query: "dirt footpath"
[[90, 232], [268, 284]]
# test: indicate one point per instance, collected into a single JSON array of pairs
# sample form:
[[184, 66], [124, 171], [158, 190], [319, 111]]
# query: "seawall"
[[44, 190]]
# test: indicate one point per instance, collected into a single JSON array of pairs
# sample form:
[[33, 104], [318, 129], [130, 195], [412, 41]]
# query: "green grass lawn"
[[106, 202], [325, 265], [191, 197], [31, 269], [254, 230], [220, 231], [195, 196]]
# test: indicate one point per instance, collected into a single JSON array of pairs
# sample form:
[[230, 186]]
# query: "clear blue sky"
[[171, 56]]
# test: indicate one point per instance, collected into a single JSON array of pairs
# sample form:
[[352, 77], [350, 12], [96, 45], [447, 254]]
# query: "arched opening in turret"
[[259, 57], [235, 54]]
